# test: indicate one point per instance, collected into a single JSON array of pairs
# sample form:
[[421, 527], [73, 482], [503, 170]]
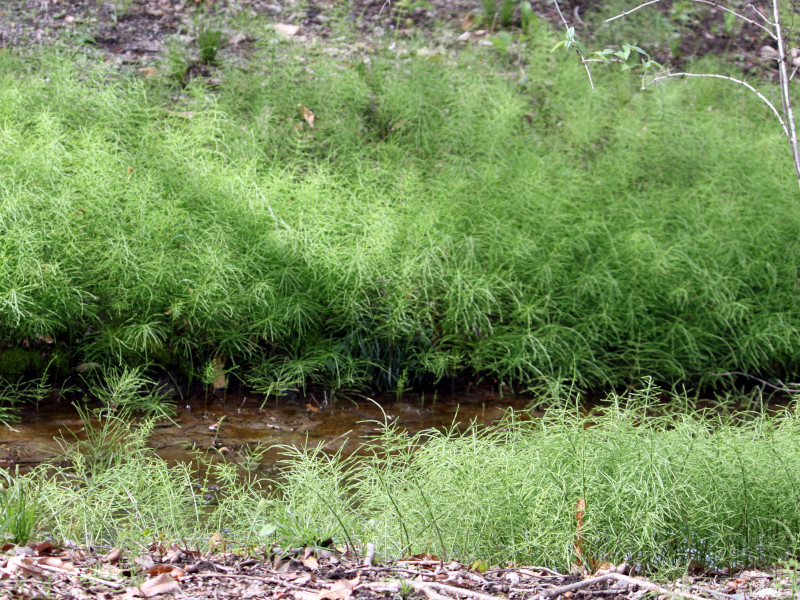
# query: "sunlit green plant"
[[19, 508], [224, 224], [661, 487], [209, 40]]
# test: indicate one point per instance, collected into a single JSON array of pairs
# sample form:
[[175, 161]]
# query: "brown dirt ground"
[[139, 31]]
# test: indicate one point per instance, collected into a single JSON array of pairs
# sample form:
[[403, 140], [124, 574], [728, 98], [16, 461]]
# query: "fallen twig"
[[433, 590], [642, 583], [388, 570], [369, 556], [420, 586], [272, 580], [76, 575], [433, 595], [527, 571], [782, 388]]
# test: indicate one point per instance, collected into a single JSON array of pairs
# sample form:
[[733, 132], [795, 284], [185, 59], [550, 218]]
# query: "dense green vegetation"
[[663, 485], [475, 212], [442, 216]]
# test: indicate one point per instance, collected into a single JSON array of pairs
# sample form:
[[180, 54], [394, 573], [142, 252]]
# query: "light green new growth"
[[440, 217]]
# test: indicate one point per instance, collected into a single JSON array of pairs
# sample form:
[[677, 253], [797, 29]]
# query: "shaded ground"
[[41, 571], [137, 31]]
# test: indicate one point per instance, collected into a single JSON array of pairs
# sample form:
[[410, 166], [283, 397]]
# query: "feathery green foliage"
[[661, 489], [440, 217], [663, 486]]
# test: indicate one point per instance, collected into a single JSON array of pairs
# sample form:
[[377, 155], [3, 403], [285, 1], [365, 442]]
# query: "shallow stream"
[[235, 424]]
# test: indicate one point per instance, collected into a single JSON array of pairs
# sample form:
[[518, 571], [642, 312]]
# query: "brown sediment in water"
[[234, 423]]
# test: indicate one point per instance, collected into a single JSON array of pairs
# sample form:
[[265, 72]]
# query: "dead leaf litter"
[[324, 574]]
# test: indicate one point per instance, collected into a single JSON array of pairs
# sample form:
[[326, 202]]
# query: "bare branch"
[[625, 13], [791, 133], [739, 81], [583, 58], [643, 583], [577, 13], [765, 19], [710, 3], [778, 388]]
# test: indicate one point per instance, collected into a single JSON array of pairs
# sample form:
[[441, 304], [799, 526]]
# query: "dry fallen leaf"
[[41, 547], [163, 584], [341, 590], [309, 560], [55, 563], [307, 114], [286, 29], [22, 566], [113, 556], [30, 566], [468, 22]]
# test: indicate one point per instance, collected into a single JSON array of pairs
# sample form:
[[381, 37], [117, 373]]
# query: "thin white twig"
[[649, 585], [782, 388], [583, 58], [788, 113], [370, 555], [765, 19], [577, 12], [625, 13], [734, 80], [710, 3]]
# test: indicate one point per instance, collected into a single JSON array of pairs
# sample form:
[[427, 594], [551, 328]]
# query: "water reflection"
[[235, 423]]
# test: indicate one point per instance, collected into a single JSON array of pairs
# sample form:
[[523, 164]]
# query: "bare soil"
[[139, 31]]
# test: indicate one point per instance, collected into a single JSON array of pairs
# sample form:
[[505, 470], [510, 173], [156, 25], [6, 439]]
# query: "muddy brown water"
[[231, 426]]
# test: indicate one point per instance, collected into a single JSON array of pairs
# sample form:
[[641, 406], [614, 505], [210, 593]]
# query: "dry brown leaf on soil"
[[55, 563], [307, 114], [113, 556], [341, 590], [286, 29], [41, 547], [309, 560], [30, 566], [163, 584]]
